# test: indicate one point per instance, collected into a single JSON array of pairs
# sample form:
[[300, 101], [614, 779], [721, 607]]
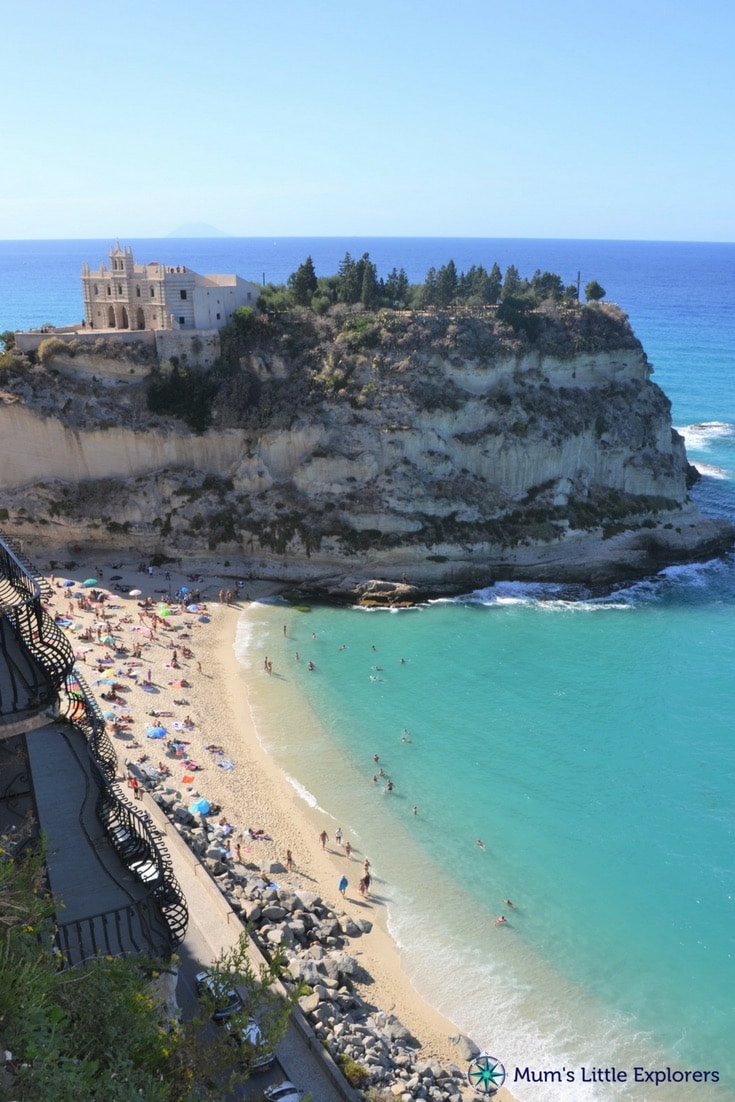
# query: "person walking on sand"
[[348, 849], [324, 838], [343, 886], [289, 861], [338, 836]]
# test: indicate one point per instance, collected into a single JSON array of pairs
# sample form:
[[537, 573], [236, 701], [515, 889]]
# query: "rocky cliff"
[[445, 449]]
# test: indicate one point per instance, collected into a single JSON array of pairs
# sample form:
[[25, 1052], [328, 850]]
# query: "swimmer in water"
[[500, 921], [480, 843], [508, 903]]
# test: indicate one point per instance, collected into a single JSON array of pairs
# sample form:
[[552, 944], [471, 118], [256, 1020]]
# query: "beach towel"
[[187, 779], [225, 764]]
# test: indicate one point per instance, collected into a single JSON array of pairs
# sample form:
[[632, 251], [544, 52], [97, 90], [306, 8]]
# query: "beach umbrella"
[[184, 589], [192, 608], [109, 714], [157, 732], [164, 611], [135, 593], [203, 619], [116, 577], [199, 807], [89, 581], [67, 584]]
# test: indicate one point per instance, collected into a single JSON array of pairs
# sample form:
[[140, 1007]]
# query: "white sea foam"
[[708, 470], [303, 792], [702, 435], [506, 593], [694, 573]]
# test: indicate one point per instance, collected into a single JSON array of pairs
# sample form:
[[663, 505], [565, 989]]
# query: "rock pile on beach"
[[316, 941]]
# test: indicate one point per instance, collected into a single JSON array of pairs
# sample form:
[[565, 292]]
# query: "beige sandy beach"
[[215, 698]]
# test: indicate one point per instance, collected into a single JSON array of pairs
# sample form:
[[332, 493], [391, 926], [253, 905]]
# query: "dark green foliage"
[[446, 284], [184, 394], [396, 289], [593, 292], [303, 283], [7, 340]]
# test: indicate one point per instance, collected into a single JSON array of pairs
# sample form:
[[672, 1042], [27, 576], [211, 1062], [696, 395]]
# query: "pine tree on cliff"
[[303, 283]]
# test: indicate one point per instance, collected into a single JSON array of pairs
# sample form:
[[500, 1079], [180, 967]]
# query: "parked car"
[[218, 987], [282, 1092], [256, 1051]]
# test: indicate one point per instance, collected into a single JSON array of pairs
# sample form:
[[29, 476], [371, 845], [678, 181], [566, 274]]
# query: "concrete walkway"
[[105, 907], [214, 927]]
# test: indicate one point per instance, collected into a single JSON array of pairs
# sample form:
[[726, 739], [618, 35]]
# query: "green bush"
[[53, 346]]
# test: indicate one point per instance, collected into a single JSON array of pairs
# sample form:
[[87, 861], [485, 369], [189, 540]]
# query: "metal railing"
[[132, 837], [35, 633]]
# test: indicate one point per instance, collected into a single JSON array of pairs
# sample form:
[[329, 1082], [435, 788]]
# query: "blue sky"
[[385, 118]]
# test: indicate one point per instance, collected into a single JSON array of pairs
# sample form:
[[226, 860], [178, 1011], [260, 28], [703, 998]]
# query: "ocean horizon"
[[586, 741]]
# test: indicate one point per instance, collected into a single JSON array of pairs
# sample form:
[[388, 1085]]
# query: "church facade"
[[159, 296]]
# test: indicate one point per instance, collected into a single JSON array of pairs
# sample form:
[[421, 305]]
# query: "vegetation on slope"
[[311, 339], [101, 1033]]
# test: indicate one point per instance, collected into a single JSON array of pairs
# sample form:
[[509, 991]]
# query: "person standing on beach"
[[338, 836], [289, 861], [343, 886], [348, 849], [324, 838]]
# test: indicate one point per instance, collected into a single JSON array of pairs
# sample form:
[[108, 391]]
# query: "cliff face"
[[447, 450]]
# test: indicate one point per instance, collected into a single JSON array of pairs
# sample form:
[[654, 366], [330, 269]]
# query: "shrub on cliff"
[[187, 395], [53, 346]]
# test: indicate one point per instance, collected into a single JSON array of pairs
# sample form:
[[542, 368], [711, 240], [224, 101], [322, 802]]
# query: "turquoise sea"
[[587, 740]]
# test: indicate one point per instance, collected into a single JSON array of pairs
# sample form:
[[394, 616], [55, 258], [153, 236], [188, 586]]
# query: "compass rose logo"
[[485, 1074]]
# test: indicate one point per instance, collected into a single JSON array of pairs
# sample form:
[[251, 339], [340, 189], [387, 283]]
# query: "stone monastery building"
[[157, 296]]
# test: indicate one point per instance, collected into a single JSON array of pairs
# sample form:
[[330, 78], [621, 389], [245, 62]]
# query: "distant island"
[[362, 437]]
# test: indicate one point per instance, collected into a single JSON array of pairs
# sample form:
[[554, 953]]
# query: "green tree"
[[303, 283], [7, 339], [446, 284], [593, 292], [349, 281], [512, 284], [495, 281], [428, 296], [395, 289], [547, 285]]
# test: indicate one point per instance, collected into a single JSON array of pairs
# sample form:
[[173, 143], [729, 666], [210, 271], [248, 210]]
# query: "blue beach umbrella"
[[199, 807], [67, 584], [109, 714], [157, 732], [184, 589], [203, 619]]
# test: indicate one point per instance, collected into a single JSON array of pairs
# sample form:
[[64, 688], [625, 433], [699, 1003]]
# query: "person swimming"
[[480, 843]]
